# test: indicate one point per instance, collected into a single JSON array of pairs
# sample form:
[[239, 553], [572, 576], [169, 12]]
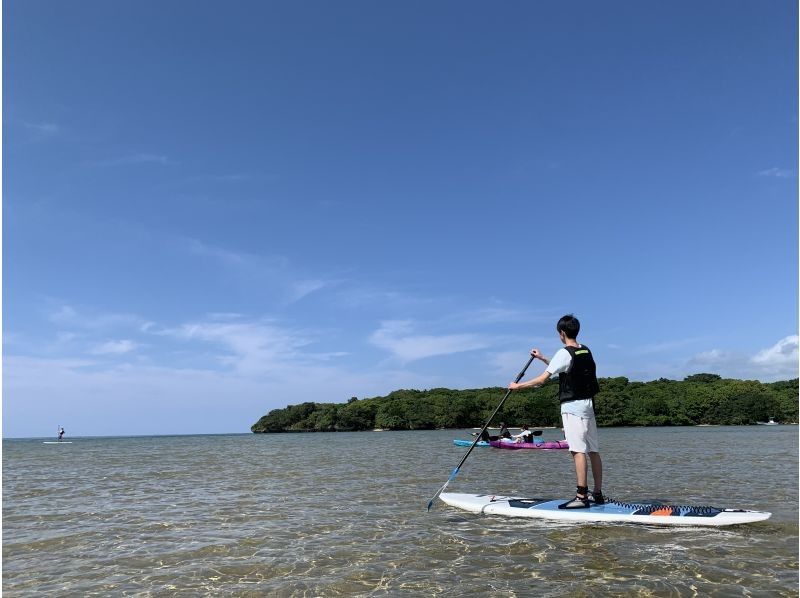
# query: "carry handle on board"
[[478, 437]]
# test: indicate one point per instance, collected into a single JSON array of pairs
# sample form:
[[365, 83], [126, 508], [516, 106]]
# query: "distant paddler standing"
[[60, 432]]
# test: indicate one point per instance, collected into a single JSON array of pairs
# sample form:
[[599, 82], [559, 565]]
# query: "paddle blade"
[[450, 479]]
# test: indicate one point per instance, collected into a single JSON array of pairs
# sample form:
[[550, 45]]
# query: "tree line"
[[698, 399]]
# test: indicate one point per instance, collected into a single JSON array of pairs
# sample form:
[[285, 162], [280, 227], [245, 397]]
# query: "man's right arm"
[[537, 355]]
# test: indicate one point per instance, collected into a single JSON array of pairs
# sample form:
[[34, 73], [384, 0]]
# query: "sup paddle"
[[478, 437]]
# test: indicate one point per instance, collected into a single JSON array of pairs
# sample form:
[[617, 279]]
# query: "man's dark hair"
[[569, 325]]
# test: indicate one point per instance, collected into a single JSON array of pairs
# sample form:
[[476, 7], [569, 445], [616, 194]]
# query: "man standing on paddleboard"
[[577, 385]]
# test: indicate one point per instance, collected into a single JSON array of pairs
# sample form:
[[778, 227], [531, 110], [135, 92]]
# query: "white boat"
[[771, 422]]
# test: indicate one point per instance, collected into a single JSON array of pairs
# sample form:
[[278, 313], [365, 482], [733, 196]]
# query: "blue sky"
[[211, 210]]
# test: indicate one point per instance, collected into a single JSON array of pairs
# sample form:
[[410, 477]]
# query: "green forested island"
[[698, 399]]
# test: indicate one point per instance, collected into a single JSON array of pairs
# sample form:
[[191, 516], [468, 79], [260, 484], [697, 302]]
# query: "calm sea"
[[345, 515]]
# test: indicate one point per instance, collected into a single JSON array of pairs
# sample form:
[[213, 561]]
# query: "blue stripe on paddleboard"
[[618, 508], [469, 443]]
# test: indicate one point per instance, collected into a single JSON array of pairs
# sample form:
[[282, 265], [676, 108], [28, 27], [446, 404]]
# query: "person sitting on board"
[[504, 433], [577, 385], [524, 436]]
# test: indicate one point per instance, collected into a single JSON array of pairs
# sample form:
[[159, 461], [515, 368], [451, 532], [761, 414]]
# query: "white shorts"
[[581, 433]]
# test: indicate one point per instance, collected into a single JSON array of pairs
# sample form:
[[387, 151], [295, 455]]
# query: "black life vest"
[[580, 380]]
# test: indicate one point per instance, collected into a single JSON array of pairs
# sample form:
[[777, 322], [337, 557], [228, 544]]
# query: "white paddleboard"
[[610, 512], [57, 442]]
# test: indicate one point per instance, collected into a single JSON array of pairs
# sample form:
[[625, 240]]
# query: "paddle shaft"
[[478, 437], [491, 417]]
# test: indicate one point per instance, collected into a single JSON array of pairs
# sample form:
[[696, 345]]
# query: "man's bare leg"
[[597, 472], [580, 468]]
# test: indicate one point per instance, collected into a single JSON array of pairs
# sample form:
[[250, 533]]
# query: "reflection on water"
[[344, 514]]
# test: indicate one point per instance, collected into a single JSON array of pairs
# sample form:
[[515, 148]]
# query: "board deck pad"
[[610, 512]]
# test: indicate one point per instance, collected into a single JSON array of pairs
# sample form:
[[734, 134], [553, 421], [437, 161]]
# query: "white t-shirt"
[[560, 363]]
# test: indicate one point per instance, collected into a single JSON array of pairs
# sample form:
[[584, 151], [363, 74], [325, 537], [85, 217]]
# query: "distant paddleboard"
[[57, 442], [610, 512], [469, 443]]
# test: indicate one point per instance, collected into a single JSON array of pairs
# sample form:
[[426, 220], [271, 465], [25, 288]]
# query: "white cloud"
[[274, 272], [780, 357], [231, 178], [254, 348], [140, 158], [505, 363], [42, 129], [668, 345], [66, 315], [361, 296], [396, 336], [114, 347], [714, 357], [222, 178], [490, 315], [224, 315], [778, 362], [302, 288], [781, 173], [248, 262]]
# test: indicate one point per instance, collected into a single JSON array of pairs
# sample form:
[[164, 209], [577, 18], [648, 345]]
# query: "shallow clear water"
[[345, 514]]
